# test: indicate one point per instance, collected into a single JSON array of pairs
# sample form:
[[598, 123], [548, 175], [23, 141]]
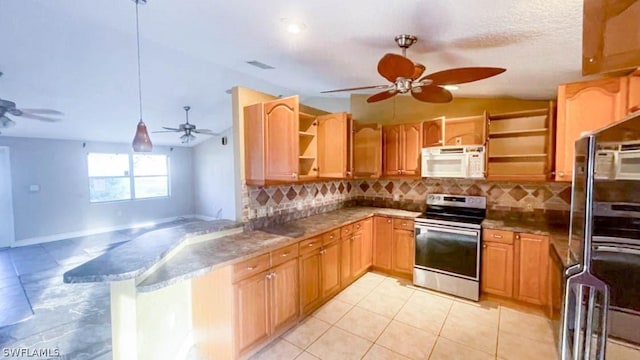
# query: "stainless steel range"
[[447, 244]]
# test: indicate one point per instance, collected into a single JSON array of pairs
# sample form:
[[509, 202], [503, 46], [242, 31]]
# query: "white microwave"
[[628, 162], [454, 161]]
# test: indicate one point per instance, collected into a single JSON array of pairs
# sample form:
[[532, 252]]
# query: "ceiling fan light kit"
[[405, 76], [141, 140]]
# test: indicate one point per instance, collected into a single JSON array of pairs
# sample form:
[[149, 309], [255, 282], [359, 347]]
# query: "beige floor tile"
[[430, 299], [527, 325], [378, 352], [617, 351], [280, 349], [448, 350], [423, 316], [513, 347], [387, 306], [395, 287], [370, 280], [353, 294], [306, 356], [471, 332], [480, 313], [339, 344], [306, 332], [363, 323], [332, 311], [407, 340]]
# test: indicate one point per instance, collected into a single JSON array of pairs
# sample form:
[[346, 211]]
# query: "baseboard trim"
[[61, 236]]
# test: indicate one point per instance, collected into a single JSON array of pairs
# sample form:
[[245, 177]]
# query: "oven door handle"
[[449, 230]]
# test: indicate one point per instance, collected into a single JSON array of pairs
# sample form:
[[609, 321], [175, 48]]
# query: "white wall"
[[213, 180], [6, 203], [59, 168]]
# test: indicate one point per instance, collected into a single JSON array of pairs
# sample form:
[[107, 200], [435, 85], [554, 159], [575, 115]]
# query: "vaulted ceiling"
[[79, 57]]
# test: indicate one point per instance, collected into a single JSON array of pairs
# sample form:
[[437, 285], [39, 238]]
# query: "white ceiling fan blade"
[[205, 132], [38, 117], [42, 111], [171, 129], [165, 131]]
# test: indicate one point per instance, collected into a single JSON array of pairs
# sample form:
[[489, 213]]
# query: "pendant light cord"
[[138, 42]]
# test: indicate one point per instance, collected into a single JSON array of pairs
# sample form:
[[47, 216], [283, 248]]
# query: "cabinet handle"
[[404, 224], [561, 173], [268, 276], [323, 251], [484, 246], [497, 236], [285, 254], [274, 275], [331, 237], [294, 175], [358, 226], [517, 237], [251, 268], [388, 221], [311, 244]]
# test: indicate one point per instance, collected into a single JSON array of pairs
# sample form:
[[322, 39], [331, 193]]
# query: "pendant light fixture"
[[141, 141]]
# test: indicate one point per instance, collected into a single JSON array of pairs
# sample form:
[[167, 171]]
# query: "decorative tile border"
[[288, 202]]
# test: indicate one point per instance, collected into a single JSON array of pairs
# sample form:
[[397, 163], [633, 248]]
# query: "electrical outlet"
[[270, 210], [396, 197], [458, 140], [262, 212]]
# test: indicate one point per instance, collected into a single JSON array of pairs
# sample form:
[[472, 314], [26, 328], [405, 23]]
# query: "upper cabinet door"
[[367, 150], [412, 146], [392, 142], [281, 118], [433, 132], [585, 106], [611, 36], [634, 94], [333, 147]]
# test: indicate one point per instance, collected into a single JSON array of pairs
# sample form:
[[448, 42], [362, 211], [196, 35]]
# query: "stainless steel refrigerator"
[[602, 290]]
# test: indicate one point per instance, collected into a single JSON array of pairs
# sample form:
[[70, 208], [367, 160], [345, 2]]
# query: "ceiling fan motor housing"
[[405, 40]]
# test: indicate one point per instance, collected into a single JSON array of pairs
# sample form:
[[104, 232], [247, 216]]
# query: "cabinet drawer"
[[310, 244], [501, 236], [403, 224], [331, 236], [346, 231], [281, 255], [359, 226], [250, 267]]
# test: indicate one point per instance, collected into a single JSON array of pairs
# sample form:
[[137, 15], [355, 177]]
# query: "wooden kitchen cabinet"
[[467, 130], [520, 145], [367, 150], [532, 262], [334, 146], [515, 265], [402, 145], [433, 132], [365, 229], [266, 304], [497, 268], [610, 40], [382, 242], [586, 106], [252, 316], [403, 246], [272, 141], [310, 281], [330, 264]]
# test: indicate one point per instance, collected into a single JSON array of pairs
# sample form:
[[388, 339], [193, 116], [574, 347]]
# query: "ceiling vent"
[[260, 65]]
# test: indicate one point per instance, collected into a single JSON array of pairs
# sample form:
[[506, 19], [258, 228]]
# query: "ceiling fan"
[[9, 108], [188, 129], [405, 76]]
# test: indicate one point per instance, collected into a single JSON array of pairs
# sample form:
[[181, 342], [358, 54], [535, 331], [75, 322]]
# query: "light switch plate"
[[34, 188]]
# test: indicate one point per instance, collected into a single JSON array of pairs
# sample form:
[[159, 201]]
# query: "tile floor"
[[380, 317], [39, 311]]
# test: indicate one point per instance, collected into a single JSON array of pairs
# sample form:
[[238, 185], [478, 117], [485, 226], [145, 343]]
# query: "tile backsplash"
[[263, 205]]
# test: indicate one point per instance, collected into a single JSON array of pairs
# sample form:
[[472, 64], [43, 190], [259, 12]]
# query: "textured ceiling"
[[79, 56]]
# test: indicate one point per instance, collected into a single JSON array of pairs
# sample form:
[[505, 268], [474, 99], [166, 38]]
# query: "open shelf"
[[517, 156], [514, 133], [305, 133], [307, 158]]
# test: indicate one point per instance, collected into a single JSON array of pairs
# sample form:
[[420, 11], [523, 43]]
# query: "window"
[[114, 177]]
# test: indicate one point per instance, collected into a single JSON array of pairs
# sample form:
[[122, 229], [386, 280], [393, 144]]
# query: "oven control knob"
[[437, 198], [430, 197]]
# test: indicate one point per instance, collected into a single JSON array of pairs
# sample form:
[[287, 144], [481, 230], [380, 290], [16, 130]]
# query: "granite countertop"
[[140, 254], [200, 258], [558, 234]]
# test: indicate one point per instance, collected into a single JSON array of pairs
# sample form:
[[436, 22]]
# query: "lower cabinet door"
[[346, 264], [382, 242], [310, 281], [357, 265], [497, 269], [532, 259], [367, 243], [285, 307], [403, 245], [252, 314], [330, 269]]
